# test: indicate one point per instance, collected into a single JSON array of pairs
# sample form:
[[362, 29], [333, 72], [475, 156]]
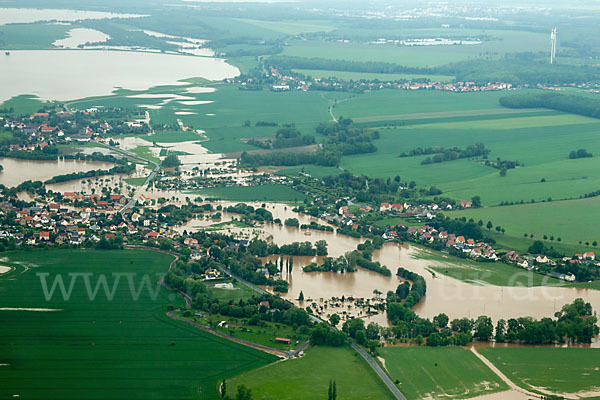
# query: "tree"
[[171, 161], [321, 246], [501, 331], [301, 296], [332, 391], [334, 319], [483, 328], [503, 172], [489, 225], [441, 320], [243, 393], [476, 201]]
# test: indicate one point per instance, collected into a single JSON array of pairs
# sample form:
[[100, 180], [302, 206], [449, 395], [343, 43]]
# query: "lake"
[[76, 74]]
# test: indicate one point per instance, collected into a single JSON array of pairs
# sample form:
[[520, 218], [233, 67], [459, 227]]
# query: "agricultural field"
[[32, 36], [418, 56], [356, 76], [561, 371], [221, 111], [509, 137], [440, 372], [270, 192], [572, 221], [308, 377], [103, 349], [476, 273]]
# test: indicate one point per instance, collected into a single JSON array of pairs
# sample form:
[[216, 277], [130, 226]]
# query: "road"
[[370, 360], [382, 375], [150, 177], [504, 378]]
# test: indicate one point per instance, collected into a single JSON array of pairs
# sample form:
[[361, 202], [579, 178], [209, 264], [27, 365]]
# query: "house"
[[264, 303], [460, 240], [542, 259], [397, 207], [282, 340], [589, 256], [385, 207], [191, 242], [466, 204], [45, 236], [151, 235]]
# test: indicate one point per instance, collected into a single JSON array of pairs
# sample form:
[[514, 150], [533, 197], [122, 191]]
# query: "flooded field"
[[18, 171], [65, 74], [444, 294]]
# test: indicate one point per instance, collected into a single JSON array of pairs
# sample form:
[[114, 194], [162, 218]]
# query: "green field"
[[477, 273], [313, 170], [173, 137], [223, 119], [371, 76], [308, 377], [24, 104], [103, 349], [32, 36], [135, 181], [145, 153], [572, 221], [269, 192], [419, 56], [440, 372], [509, 136], [559, 370]]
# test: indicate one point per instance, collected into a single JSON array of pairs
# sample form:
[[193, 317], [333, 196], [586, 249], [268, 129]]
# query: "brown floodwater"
[[444, 294], [17, 171]]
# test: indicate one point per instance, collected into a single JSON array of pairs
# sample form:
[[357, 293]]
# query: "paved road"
[[152, 175], [382, 375]]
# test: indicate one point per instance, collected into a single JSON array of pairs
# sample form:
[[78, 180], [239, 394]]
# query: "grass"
[[418, 56], [135, 181], [571, 220], [559, 370], [106, 349], [264, 334], [269, 192], [145, 153], [428, 372], [289, 27], [32, 36], [240, 292], [356, 76], [173, 137], [313, 170], [24, 104], [308, 377], [491, 273]]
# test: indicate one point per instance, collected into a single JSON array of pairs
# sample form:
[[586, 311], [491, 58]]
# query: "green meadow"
[[108, 348], [268, 192], [440, 372], [572, 220], [349, 75], [558, 370], [308, 377]]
